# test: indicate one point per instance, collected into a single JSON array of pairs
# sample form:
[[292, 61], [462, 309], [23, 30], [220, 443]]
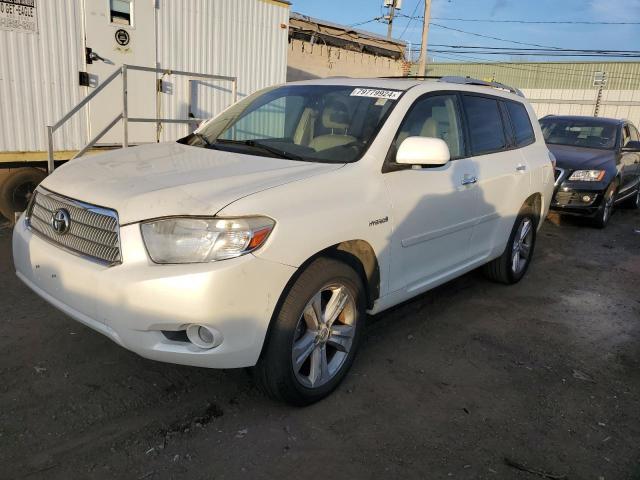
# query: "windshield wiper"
[[204, 139], [267, 148]]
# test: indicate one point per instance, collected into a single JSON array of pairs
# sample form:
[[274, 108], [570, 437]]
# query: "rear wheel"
[[315, 336], [606, 209], [511, 266], [17, 189]]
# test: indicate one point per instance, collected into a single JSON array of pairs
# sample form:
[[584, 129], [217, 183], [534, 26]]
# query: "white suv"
[[264, 238]]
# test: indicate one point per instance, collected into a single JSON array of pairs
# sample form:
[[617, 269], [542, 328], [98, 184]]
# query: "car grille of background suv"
[[93, 231]]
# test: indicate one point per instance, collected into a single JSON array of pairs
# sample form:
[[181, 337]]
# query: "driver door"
[[434, 208]]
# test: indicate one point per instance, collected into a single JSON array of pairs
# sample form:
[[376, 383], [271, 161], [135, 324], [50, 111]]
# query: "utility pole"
[[392, 5], [422, 64]]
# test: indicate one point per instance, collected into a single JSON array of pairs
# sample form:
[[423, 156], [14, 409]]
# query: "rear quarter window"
[[522, 128], [486, 131]]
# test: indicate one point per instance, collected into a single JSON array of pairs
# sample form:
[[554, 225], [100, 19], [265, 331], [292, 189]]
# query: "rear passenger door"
[[503, 171]]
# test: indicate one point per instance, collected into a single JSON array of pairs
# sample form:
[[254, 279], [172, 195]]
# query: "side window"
[[626, 135], [634, 134], [486, 132], [521, 124], [435, 117]]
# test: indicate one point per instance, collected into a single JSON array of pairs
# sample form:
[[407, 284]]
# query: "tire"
[[503, 269], [634, 202], [606, 209], [16, 190], [295, 332]]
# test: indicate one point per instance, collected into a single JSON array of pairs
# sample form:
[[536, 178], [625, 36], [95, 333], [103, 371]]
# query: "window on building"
[[120, 11], [486, 132]]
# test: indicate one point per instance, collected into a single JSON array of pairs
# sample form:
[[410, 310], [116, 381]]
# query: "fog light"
[[203, 337], [586, 198]]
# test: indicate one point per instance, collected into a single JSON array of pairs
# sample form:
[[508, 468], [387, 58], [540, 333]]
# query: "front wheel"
[[511, 266], [634, 202], [315, 334], [606, 209]]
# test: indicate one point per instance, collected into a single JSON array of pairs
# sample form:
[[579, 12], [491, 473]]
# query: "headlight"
[[587, 175], [200, 240]]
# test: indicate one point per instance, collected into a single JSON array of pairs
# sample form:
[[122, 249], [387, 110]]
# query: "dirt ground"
[[545, 373]]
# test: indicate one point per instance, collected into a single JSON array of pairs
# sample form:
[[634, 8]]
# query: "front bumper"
[[571, 201], [132, 303]]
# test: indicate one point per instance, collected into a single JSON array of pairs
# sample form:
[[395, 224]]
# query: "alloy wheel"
[[522, 243], [608, 206], [324, 335]]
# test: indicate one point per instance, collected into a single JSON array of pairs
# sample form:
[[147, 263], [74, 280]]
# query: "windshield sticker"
[[375, 93]]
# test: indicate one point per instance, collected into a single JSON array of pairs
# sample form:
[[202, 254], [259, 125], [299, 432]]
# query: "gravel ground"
[[545, 374]]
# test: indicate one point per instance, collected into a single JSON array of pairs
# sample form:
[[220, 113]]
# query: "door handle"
[[469, 180], [92, 56], [521, 168]]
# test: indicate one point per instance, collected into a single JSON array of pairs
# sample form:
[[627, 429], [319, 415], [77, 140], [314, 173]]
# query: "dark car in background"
[[598, 165]]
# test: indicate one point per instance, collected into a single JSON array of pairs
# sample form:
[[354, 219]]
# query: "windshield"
[[579, 133], [317, 123]]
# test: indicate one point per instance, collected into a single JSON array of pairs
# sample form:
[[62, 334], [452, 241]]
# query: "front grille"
[[573, 198], [93, 231]]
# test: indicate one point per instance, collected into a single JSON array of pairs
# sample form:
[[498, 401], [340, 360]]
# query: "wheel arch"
[[358, 254], [535, 205]]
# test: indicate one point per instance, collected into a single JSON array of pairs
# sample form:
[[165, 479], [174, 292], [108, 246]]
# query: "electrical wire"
[[559, 71], [413, 17], [494, 38], [535, 22], [376, 19]]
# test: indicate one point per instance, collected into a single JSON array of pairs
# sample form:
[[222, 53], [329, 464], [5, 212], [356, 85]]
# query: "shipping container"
[[55, 53]]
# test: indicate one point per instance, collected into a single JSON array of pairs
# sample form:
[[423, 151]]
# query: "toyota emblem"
[[61, 221]]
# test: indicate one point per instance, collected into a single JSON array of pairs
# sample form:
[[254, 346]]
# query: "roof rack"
[[475, 81], [463, 81]]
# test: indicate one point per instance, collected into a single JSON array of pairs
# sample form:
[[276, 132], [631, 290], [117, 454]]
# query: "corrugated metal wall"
[[39, 72], [240, 38], [39, 79], [562, 88]]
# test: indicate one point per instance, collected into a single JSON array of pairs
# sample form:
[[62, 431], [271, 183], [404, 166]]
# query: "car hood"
[[581, 158], [168, 179]]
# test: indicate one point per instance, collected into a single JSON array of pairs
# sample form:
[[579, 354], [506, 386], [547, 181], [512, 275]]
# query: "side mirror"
[[423, 151], [632, 146]]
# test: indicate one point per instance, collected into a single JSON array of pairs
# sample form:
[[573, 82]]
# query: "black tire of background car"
[[602, 218], [634, 202], [16, 190], [499, 270], [274, 372]]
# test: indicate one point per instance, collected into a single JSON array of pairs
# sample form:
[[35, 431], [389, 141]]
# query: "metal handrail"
[[124, 116]]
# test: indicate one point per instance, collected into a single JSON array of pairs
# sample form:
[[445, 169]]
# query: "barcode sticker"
[[376, 93]]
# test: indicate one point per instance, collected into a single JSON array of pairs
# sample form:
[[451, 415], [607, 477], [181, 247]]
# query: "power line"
[[562, 71], [411, 19], [376, 19], [578, 50], [536, 22], [494, 38], [543, 54]]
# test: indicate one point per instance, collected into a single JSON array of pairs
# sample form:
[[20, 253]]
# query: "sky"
[[608, 37]]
